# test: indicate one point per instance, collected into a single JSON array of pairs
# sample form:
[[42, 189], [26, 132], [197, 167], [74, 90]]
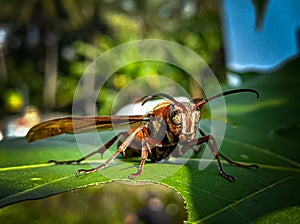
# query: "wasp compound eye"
[[175, 115]]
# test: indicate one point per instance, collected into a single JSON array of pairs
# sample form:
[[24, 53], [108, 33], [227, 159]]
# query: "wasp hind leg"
[[101, 150], [121, 149], [86, 171]]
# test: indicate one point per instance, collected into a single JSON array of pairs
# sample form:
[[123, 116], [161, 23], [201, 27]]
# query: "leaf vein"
[[263, 150], [243, 199]]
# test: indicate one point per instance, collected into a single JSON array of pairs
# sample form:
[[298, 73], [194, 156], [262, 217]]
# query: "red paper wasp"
[[153, 136]]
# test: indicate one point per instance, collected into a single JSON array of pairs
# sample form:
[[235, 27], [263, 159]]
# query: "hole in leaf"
[[114, 202]]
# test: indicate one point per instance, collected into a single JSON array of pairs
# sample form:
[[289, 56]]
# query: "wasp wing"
[[80, 124]]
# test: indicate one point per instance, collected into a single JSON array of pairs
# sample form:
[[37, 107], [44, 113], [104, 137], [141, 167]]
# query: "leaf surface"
[[265, 132]]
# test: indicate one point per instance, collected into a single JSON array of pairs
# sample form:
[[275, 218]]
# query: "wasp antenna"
[[143, 100], [233, 92], [158, 95], [225, 94]]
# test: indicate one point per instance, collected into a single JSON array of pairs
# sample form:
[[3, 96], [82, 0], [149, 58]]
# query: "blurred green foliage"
[[61, 38]]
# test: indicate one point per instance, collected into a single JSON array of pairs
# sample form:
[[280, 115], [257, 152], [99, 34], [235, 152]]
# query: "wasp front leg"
[[210, 140], [144, 156], [147, 143]]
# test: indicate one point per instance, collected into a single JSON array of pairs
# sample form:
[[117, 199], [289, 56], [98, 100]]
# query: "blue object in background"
[[248, 48]]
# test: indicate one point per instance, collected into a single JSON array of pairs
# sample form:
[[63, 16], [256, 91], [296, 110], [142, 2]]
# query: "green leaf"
[[263, 131]]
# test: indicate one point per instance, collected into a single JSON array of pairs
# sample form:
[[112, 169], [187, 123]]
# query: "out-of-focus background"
[[45, 46]]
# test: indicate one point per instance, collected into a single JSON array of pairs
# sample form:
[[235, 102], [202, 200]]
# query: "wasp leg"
[[121, 149], [144, 157], [232, 162], [213, 146], [101, 150], [147, 143], [238, 164]]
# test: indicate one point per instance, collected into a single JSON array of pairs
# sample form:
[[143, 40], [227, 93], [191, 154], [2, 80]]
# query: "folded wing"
[[80, 124]]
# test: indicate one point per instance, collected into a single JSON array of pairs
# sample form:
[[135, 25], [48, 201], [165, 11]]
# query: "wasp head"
[[183, 120]]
